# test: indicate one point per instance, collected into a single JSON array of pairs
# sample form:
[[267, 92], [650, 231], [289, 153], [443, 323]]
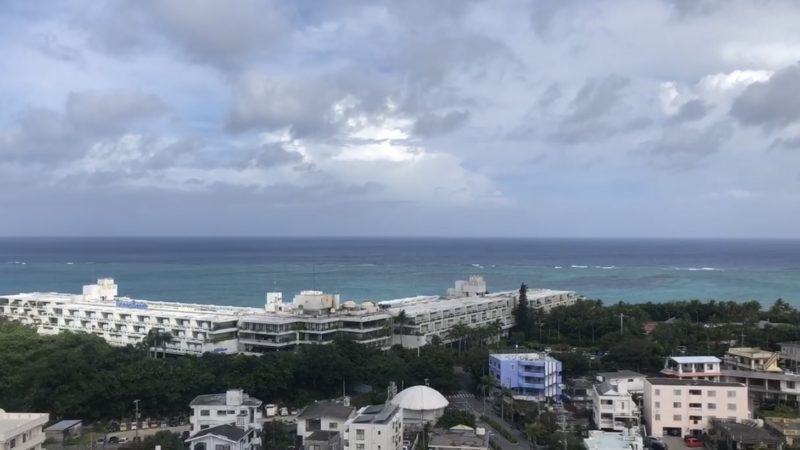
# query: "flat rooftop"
[[695, 359], [531, 356], [377, 413], [750, 352], [11, 421], [604, 440], [702, 383], [619, 374], [457, 438]]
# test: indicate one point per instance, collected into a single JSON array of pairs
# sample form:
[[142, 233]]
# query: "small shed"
[[64, 429]]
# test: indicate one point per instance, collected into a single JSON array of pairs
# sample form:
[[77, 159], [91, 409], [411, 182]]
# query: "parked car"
[[113, 440], [692, 442], [101, 440], [122, 440]]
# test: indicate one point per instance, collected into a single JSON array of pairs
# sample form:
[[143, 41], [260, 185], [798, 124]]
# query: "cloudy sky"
[[465, 118]]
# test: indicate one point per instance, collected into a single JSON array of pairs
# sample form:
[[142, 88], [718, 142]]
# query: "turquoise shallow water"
[[240, 271]]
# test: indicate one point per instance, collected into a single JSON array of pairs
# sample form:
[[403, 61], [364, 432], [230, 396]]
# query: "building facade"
[[630, 381], [693, 368], [613, 408], [312, 317], [529, 376], [234, 408], [377, 427], [749, 358], [684, 407], [22, 431]]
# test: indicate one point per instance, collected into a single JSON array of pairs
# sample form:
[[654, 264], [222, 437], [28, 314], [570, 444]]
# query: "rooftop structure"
[[63, 429], [376, 427], [602, 440], [749, 358], [632, 382], [692, 367], [790, 356], [420, 404], [324, 416], [223, 436]]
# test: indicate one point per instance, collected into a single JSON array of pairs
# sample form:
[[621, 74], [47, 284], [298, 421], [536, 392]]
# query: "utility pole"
[[136, 420], [621, 316]]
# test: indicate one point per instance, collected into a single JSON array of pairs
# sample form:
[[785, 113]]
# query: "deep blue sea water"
[[238, 271]]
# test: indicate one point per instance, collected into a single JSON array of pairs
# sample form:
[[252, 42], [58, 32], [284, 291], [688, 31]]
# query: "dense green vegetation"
[[453, 417], [79, 375], [166, 439]]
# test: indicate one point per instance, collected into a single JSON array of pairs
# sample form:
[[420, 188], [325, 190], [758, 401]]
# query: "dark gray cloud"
[[691, 111], [46, 136], [272, 155], [770, 104], [790, 143], [684, 148], [590, 112], [221, 34], [49, 45], [550, 96], [430, 125]]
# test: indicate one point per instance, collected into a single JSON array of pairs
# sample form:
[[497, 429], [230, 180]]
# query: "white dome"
[[420, 398]]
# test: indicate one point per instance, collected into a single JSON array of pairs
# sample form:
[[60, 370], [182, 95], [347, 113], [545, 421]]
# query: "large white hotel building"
[[311, 318]]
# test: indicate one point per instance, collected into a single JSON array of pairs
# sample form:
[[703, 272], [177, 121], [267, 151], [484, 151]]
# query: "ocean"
[[239, 271]]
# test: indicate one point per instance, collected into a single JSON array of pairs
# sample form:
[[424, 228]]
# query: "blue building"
[[529, 376]]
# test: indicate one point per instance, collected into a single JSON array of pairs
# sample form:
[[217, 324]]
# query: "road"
[[465, 400]]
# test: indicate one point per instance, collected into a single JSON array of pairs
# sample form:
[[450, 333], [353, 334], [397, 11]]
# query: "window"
[[658, 416], [677, 417], [695, 392], [379, 432], [360, 447], [205, 412], [676, 392], [695, 405], [712, 406], [333, 425], [790, 384], [658, 405], [676, 404], [711, 393], [731, 394], [360, 434], [731, 406], [658, 391], [24, 437], [222, 413], [223, 447], [12, 443]]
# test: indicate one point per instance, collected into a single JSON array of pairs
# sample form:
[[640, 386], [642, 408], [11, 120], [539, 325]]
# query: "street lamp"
[[136, 421]]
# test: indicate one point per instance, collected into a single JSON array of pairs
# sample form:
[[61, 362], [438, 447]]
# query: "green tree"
[[275, 436], [522, 312]]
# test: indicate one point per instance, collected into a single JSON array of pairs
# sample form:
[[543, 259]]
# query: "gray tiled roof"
[[326, 409], [227, 431]]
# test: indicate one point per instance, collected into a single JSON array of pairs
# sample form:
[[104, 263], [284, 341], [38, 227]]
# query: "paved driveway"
[[676, 443]]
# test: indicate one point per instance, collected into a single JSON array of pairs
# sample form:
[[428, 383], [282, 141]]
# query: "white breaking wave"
[[557, 267], [605, 267], [478, 266], [694, 269], [579, 267]]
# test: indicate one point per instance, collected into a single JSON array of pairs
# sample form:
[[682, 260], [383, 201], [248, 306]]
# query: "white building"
[[459, 437], [324, 416], [602, 440], [613, 407], [420, 404], [685, 407], [22, 431], [693, 367], [223, 437], [377, 427], [759, 371], [234, 408], [312, 317], [631, 381]]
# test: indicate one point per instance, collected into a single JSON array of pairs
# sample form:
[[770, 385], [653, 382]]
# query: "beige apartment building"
[[681, 407]]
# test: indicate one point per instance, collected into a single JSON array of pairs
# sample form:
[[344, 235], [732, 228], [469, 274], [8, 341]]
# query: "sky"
[[571, 118]]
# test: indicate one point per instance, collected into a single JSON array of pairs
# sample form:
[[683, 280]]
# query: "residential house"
[[223, 437], [323, 440], [578, 393], [685, 407], [613, 407], [377, 427], [324, 416], [759, 370], [233, 407], [22, 431]]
